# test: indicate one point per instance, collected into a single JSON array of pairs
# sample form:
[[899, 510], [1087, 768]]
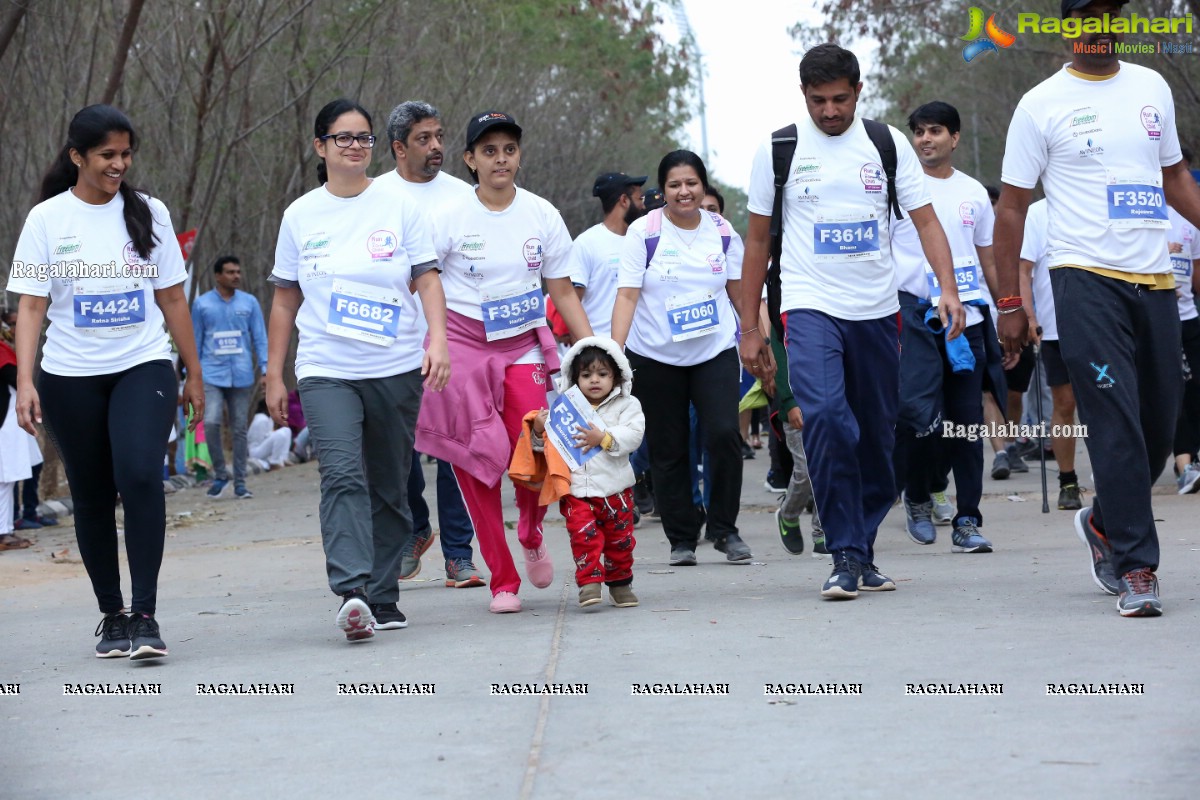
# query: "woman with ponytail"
[[100, 261], [351, 254]]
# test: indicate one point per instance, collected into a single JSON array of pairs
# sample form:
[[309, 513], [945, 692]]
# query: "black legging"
[[111, 433]]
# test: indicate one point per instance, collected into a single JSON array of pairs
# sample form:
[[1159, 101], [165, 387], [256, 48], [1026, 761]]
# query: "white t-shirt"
[[353, 258], [1183, 233], [683, 287], [98, 325], [836, 244], [965, 211], [432, 195], [1035, 249], [1099, 148], [494, 252], [595, 259]]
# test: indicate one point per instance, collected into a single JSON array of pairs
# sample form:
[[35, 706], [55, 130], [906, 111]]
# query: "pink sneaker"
[[505, 603], [538, 567]]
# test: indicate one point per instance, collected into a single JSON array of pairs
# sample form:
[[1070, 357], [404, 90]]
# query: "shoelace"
[[922, 510], [141, 625], [113, 626], [966, 529], [1141, 581]]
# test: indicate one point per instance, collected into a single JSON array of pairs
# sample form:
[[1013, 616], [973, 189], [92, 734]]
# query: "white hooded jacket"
[[608, 472]]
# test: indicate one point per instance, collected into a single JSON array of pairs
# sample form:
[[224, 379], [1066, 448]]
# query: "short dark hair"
[[720, 197], [219, 264], [827, 63], [936, 113], [590, 355], [609, 200], [681, 158], [993, 192]]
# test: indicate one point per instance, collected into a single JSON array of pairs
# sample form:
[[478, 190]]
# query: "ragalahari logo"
[[994, 36]]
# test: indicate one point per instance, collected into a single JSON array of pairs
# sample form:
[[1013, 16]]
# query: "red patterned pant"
[[602, 542]]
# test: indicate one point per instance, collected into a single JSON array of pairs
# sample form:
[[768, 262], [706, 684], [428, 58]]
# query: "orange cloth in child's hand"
[[545, 470]]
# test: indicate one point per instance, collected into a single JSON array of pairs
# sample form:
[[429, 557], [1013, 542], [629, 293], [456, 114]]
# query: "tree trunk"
[[122, 54]]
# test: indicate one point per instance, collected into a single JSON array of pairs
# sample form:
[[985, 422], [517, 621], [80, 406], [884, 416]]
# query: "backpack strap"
[[881, 137], [653, 232], [724, 229], [783, 148]]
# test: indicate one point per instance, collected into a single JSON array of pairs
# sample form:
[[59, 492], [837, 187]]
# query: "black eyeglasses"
[[367, 140]]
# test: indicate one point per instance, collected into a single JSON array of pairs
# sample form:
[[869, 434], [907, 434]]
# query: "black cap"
[[615, 183], [653, 198], [1072, 5], [482, 123]]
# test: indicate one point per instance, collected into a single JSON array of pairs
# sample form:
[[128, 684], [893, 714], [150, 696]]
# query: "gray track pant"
[[363, 434]]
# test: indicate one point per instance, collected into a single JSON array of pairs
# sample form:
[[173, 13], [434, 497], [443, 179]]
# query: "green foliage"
[[919, 58]]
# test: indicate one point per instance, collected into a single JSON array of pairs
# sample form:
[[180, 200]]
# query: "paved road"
[[242, 601]]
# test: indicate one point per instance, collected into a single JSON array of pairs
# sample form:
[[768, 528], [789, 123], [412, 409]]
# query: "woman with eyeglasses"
[[350, 255], [100, 260], [678, 264], [497, 246]]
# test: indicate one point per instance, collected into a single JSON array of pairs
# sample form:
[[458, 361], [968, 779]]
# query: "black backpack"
[[783, 147]]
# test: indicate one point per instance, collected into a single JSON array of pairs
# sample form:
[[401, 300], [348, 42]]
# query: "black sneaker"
[[872, 580], [733, 547], [388, 617], [113, 631], [642, 497], [1069, 498], [843, 581], [1098, 549], [1139, 594], [1016, 461], [682, 556], [747, 451], [355, 618], [144, 640]]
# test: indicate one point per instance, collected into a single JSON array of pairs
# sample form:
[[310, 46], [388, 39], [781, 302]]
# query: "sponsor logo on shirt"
[[807, 171], [1152, 122], [1093, 149], [717, 262], [68, 245], [381, 244], [317, 241], [807, 196], [1084, 119], [472, 274], [966, 212], [132, 256], [472, 247], [871, 175], [532, 251]]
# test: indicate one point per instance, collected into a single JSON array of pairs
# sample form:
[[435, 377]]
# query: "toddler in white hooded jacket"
[[599, 509]]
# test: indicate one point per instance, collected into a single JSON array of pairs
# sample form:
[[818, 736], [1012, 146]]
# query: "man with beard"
[[416, 138], [597, 252], [1100, 136], [839, 294]]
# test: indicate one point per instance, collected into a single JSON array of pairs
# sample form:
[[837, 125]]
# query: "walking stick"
[[1037, 378]]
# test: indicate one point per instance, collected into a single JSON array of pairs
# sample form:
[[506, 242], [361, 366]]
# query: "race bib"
[[846, 237], [511, 311], [367, 313], [109, 310], [1136, 202], [227, 343], [1181, 266], [692, 315], [966, 277], [570, 413]]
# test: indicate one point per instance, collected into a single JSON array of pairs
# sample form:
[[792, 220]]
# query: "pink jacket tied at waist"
[[462, 423]]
